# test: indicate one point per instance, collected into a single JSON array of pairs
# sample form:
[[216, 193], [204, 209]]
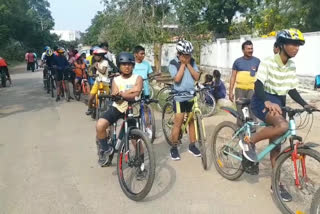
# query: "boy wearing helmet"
[[61, 63], [275, 79], [101, 65], [184, 72], [128, 86]]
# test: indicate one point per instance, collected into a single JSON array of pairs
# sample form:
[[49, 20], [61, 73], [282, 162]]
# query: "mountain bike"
[[146, 117], [196, 115], [297, 166], [136, 160]]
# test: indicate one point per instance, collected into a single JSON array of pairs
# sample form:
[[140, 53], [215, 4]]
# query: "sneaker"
[[194, 150], [149, 132], [89, 111], [58, 98], [70, 98], [174, 153], [285, 195], [248, 150], [104, 156]]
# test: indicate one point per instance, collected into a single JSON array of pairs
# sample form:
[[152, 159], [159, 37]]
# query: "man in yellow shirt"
[[244, 76]]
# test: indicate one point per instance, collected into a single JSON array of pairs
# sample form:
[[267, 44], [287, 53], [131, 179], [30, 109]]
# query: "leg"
[[90, 101], [178, 120], [249, 96], [192, 132], [239, 93]]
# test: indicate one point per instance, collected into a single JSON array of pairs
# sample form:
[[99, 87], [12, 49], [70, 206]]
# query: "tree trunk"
[[157, 48]]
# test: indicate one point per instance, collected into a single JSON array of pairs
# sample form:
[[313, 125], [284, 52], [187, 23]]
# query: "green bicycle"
[[195, 115], [297, 166]]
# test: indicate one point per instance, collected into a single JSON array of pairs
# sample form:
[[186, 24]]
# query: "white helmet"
[[184, 47]]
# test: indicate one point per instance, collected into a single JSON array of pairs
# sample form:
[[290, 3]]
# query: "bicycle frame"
[[246, 128], [195, 109]]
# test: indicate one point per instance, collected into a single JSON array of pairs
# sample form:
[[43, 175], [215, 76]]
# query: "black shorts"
[[30, 66], [183, 107], [112, 115], [62, 75]]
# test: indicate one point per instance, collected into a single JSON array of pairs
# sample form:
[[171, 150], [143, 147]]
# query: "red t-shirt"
[[3, 62], [30, 57]]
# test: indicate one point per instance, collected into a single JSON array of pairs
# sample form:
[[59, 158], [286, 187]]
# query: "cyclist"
[[62, 66], [101, 65], [143, 69], [4, 67], [30, 59], [129, 86], [276, 48], [110, 57], [79, 69], [275, 79], [184, 72]]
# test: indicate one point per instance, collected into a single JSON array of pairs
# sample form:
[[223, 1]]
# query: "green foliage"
[[24, 24]]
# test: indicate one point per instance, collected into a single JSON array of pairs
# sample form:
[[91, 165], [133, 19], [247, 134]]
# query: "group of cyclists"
[[271, 80]]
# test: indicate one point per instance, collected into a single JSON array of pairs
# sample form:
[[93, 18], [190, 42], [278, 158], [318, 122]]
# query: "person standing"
[[244, 76], [30, 59]]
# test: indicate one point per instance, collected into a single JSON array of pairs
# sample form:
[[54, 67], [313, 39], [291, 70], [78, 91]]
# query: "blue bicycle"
[[297, 166]]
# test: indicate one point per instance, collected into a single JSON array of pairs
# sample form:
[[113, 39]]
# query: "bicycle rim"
[[201, 141], [162, 96], [224, 145], [207, 103], [168, 121], [149, 123], [136, 167], [284, 174]]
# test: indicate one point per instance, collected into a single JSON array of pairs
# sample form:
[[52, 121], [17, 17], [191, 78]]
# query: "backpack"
[[317, 82], [114, 68]]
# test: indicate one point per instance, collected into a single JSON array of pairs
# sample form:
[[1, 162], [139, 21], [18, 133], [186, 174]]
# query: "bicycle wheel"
[[136, 167], [162, 96], [168, 121], [284, 174], [224, 147], [151, 91], [315, 205], [149, 122], [201, 140], [207, 103], [51, 87]]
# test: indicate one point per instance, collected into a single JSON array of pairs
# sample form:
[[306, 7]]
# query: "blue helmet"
[[46, 48]]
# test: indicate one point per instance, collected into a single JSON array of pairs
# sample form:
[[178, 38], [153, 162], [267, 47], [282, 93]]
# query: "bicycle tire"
[[216, 159], [207, 103], [201, 141], [151, 169], [162, 96], [151, 121], [51, 87], [151, 91], [275, 180], [167, 121], [315, 204]]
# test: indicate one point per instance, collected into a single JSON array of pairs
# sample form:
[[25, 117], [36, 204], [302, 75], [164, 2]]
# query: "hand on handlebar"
[[273, 108]]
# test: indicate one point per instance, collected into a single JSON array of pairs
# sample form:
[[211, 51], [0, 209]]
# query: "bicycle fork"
[[295, 157]]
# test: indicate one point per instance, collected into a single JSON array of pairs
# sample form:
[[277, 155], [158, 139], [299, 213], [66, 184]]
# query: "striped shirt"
[[276, 77]]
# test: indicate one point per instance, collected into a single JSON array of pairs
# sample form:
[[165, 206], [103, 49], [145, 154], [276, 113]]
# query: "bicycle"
[[315, 205], [195, 115], [135, 154], [206, 102], [101, 104], [146, 117], [82, 87], [231, 165], [50, 81], [150, 78]]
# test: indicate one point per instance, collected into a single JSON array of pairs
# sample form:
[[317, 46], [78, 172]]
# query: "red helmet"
[[100, 52]]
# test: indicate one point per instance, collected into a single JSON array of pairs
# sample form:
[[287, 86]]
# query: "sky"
[[74, 14]]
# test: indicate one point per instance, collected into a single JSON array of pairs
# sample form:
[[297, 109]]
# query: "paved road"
[[48, 164]]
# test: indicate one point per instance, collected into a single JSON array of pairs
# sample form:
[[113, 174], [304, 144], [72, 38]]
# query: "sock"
[[103, 144]]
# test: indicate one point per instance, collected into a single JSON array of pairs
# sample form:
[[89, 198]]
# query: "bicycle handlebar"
[[293, 112], [119, 98]]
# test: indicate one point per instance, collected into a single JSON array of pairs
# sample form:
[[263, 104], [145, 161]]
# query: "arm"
[[294, 94], [114, 89], [134, 92], [103, 70], [195, 75], [232, 83], [178, 77]]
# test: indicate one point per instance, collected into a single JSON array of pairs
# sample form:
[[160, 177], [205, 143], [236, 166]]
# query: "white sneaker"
[[248, 151]]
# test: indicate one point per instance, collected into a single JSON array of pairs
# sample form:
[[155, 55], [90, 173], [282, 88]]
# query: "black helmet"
[[125, 57]]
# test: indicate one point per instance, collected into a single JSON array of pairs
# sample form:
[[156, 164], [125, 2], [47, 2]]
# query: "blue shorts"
[[257, 105]]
